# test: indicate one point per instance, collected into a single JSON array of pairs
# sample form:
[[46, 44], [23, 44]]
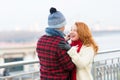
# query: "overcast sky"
[[33, 14]]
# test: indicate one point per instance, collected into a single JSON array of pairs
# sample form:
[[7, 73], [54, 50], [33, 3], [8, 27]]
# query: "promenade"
[[106, 66]]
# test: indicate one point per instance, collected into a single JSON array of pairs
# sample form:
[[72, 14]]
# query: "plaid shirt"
[[55, 64]]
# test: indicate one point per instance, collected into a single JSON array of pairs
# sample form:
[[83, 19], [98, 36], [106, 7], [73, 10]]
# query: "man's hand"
[[67, 37], [64, 45]]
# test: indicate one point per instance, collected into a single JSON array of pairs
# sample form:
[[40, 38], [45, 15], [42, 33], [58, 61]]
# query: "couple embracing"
[[60, 60]]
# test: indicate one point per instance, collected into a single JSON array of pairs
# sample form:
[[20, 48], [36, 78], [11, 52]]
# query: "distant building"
[[17, 53]]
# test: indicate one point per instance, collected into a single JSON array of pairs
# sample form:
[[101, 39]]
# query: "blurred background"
[[32, 15], [22, 22]]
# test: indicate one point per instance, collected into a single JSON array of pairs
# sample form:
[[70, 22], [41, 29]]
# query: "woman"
[[82, 51]]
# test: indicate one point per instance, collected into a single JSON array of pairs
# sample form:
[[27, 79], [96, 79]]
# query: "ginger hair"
[[85, 35]]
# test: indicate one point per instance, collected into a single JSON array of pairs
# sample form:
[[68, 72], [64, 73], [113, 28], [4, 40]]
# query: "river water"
[[107, 43]]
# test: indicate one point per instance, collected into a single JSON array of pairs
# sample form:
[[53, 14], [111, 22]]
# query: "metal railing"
[[106, 66], [21, 75]]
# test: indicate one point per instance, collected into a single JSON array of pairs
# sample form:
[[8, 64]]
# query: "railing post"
[[94, 71]]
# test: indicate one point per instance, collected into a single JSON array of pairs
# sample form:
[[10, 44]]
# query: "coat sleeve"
[[65, 61], [83, 58]]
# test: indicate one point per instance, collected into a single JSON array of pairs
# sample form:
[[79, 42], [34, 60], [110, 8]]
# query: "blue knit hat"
[[56, 19]]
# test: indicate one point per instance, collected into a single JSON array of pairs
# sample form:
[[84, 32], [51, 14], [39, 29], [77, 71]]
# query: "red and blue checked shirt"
[[55, 64]]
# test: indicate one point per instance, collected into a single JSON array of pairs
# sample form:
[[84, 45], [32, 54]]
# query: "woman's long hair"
[[85, 35]]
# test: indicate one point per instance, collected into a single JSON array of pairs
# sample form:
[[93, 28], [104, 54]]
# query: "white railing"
[[21, 75], [106, 66]]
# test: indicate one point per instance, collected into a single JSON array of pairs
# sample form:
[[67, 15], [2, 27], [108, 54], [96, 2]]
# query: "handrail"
[[4, 65], [108, 51]]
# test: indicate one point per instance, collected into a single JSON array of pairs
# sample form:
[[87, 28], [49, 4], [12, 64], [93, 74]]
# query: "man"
[[55, 64]]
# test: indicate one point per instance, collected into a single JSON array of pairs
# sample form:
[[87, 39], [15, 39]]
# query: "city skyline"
[[32, 15]]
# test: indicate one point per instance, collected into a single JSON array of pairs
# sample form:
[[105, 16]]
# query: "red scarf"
[[79, 44]]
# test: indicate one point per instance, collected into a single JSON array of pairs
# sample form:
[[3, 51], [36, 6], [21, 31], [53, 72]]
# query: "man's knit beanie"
[[56, 19]]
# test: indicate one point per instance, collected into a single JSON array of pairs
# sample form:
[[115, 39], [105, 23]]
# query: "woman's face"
[[73, 33]]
